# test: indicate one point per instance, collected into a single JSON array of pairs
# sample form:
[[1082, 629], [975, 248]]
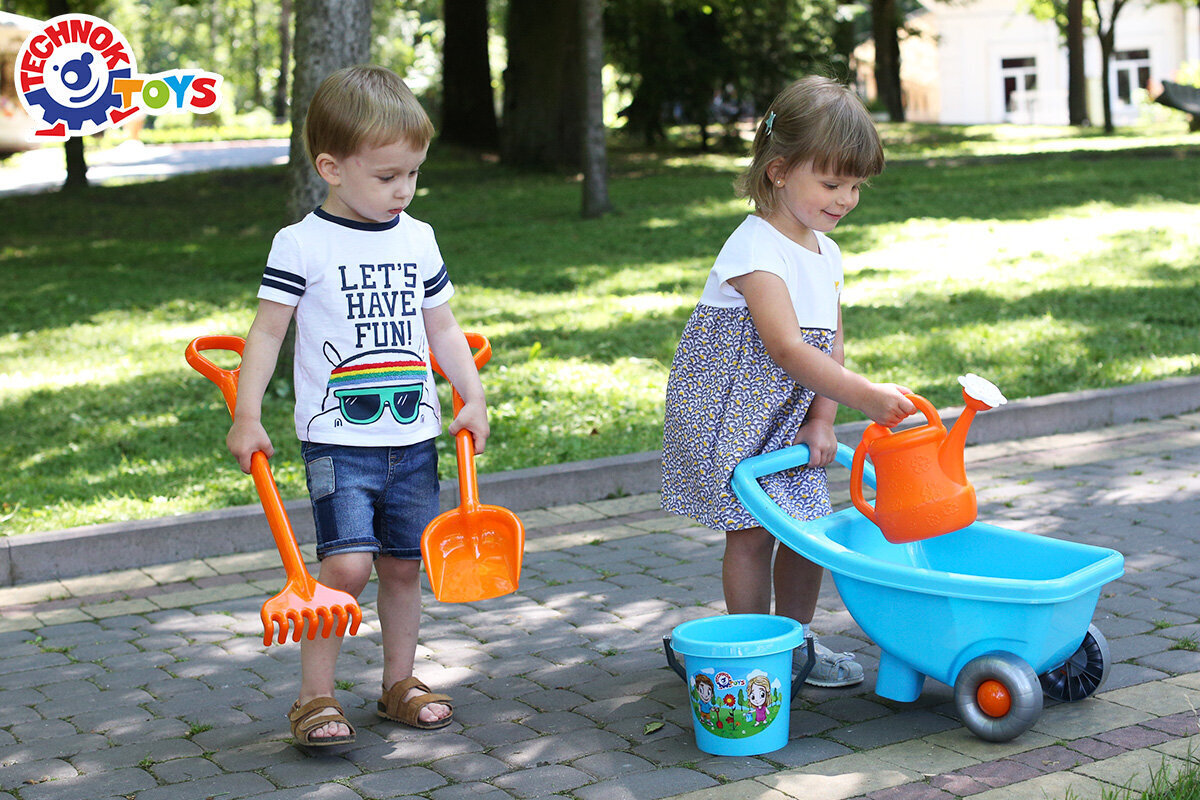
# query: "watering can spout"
[[951, 456], [979, 394]]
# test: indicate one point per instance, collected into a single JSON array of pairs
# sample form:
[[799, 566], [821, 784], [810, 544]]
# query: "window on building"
[[1020, 83], [1132, 71]]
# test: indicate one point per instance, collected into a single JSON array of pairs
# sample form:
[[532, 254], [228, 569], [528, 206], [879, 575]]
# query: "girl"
[[759, 365]]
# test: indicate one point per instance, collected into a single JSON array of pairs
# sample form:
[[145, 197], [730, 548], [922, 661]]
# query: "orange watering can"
[[472, 552], [921, 482], [303, 599]]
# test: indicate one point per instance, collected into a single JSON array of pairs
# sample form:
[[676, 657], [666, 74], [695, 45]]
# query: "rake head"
[[326, 610]]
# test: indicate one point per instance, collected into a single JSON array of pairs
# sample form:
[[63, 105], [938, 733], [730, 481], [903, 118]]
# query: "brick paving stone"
[[327, 791], [892, 728], [469, 767], [958, 784], [470, 791], [396, 782], [227, 786], [542, 781], [179, 770], [121, 782], [1134, 737], [1051, 759], [612, 764], [20, 774], [646, 786], [911, 791], [1000, 773], [1094, 748]]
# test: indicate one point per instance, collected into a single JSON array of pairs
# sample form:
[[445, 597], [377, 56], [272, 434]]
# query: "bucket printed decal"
[[733, 704]]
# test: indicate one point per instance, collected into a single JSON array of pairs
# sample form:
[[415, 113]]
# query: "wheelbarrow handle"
[[797, 456]]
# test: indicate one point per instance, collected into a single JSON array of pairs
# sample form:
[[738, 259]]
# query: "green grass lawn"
[[1044, 273]]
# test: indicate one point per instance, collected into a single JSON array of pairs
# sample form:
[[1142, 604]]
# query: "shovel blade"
[[473, 554]]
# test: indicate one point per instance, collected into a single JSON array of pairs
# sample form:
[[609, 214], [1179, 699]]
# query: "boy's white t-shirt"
[[813, 280], [362, 374]]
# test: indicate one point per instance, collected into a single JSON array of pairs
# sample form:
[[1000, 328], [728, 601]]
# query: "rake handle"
[[260, 469]]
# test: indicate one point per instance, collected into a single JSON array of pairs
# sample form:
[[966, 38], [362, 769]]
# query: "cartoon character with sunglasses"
[[365, 386]]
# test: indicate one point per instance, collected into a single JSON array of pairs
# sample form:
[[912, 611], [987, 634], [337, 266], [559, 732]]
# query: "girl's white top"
[[813, 280]]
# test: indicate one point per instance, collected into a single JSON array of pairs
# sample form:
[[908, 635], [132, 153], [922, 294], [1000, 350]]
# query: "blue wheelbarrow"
[[1001, 616]]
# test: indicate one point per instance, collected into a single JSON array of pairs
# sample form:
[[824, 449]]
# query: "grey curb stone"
[[35, 557]]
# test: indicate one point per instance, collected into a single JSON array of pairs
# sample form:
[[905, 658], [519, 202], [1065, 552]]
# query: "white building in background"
[[991, 61]]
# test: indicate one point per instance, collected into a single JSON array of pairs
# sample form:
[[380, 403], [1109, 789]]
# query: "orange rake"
[[303, 600]]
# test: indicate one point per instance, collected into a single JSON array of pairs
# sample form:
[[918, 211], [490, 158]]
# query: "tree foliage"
[[679, 56]]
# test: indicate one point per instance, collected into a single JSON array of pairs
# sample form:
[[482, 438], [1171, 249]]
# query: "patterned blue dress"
[[726, 401]]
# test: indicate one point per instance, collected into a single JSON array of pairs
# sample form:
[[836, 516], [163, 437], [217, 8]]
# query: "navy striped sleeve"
[[437, 282], [288, 282]]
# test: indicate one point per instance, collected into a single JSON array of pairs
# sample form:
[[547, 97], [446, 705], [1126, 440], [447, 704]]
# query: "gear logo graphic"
[[78, 75]]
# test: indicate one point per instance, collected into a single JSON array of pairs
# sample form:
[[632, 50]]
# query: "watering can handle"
[[874, 432], [856, 471]]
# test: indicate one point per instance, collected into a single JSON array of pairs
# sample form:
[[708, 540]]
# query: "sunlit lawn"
[[1043, 274]]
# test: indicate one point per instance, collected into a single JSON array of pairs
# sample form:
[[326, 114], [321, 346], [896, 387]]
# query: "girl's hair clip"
[[769, 122]]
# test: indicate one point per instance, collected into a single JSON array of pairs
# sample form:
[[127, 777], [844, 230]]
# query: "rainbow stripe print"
[[387, 372]]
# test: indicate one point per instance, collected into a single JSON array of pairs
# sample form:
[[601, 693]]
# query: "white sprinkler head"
[[982, 390]]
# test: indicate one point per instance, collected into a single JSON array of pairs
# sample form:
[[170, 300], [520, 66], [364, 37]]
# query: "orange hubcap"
[[994, 699]]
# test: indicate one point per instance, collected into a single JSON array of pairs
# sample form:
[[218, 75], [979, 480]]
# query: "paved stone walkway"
[[153, 684]]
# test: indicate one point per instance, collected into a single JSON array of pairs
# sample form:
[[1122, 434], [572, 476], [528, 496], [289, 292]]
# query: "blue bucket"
[[739, 679]]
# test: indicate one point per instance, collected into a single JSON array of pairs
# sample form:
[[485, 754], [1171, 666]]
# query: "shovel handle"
[[468, 483], [260, 469]]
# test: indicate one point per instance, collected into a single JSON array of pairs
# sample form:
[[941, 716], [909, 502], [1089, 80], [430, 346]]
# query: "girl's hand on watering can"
[[888, 405], [821, 440]]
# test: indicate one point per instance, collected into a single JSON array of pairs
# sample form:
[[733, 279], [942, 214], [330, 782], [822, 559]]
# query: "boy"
[[369, 291]]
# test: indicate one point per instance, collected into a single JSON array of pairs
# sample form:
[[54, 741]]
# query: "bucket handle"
[[797, 679]]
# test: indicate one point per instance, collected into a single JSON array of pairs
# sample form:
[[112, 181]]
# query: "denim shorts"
[[371, 499]]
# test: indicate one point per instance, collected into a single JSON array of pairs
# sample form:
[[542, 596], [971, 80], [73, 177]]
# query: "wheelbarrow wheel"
[[998, 696], [1083, 673]]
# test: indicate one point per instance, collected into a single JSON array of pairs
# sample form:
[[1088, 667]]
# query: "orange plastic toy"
[[472, 552], [922, 488], [303, 600]]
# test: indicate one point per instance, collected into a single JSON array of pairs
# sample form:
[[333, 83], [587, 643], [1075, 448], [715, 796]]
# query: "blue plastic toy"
[[1001, 616]]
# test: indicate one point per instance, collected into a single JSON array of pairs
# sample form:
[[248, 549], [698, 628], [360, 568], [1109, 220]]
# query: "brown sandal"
[[393, 706], [308, 717]]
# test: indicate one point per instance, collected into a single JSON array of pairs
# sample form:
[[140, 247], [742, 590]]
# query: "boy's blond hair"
[[362, 107], [815, 119]]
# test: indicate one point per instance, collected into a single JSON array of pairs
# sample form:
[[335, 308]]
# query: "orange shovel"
[[472, 552], [302, 600]]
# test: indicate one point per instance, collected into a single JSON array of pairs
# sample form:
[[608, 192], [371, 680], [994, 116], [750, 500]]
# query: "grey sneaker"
[[831, 669]]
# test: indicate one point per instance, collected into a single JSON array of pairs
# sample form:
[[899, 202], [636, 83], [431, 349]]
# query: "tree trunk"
[[330, 34], [542, 102], [76, 165], [468, 105], [595, 153], [1076, 79], [73, 147], [285, 60], [1106, 52], [885, 25]]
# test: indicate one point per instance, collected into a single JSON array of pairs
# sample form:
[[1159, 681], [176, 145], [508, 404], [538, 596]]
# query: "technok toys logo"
[[79, 76]]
